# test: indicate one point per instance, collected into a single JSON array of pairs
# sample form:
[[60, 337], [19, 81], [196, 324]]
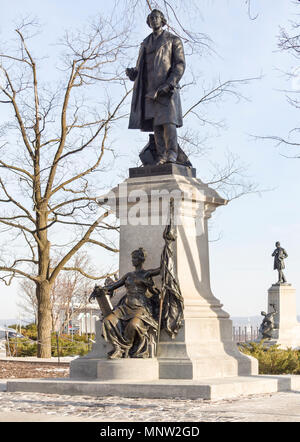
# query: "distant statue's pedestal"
[[204, 346], [287, 329]]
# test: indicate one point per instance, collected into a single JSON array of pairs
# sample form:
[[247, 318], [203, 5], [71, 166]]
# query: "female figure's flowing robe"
[[137, 310]]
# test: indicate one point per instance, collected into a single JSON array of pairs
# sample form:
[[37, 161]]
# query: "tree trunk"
[[44, 320], [43, 288]]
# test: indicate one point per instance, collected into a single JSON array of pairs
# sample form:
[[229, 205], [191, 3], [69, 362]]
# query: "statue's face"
[[277, 244], [155, 20], [136, 260]]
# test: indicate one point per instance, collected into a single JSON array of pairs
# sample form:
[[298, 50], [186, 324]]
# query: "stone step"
[[208, 388]]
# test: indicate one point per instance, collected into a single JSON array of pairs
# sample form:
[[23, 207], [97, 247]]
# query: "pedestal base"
[[211, 389], [165, 169], [112, 370], [203, 348]]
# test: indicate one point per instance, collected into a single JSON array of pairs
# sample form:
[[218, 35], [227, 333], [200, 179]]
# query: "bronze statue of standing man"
[[156, 105], [279, 256]]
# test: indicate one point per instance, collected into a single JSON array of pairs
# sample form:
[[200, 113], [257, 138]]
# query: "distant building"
[[82, 319]]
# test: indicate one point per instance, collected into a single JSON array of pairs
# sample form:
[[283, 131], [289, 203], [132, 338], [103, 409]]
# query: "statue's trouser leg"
[[281, 277], [166, 142], [160, 142]]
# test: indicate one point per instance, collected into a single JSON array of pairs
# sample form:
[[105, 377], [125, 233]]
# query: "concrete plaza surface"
[[38, 407]]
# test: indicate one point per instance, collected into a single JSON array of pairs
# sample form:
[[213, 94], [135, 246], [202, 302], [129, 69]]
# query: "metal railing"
[[244, 334]]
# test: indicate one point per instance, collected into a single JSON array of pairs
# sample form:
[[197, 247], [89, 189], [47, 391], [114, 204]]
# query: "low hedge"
[[273, 360], [68, 346]]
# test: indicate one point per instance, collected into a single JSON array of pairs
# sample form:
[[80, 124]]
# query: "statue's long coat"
[[169, 66], [279, 263]]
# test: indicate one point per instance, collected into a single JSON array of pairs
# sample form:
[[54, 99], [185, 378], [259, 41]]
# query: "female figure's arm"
[[116, 285], [152, 272], [98, 291]]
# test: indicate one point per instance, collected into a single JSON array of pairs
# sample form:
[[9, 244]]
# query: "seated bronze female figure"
[[132, 326]]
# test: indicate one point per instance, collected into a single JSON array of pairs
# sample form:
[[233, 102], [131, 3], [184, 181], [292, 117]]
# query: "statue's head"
[[277, 244], [156, 19], [263, 313], [138, 256]]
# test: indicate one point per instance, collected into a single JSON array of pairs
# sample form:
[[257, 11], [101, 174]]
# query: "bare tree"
[[28, 302], [54, 144], [289, 42], [69, 292]]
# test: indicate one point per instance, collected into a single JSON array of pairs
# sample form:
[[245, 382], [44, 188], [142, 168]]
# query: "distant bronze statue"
[[279, 256], [268, 325], [133, 326], [156, 105]]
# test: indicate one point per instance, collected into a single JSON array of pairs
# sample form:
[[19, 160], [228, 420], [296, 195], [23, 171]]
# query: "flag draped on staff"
[[171, 300]]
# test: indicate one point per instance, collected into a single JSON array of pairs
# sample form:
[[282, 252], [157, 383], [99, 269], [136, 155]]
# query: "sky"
[[247, 229]]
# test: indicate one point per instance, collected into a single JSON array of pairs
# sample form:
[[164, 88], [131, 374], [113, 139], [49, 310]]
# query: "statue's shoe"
[[172, 158]]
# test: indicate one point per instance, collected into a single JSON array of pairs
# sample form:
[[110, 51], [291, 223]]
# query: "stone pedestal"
[[287, 328], [204, 346], [95, 365]]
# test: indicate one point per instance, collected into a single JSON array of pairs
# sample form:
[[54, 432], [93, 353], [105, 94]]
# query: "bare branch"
[[15, 272], [16, 169], [101, 244], [86, 275], [252, 17], [77, 247], [16, 203], [226, 87], [103, 125]]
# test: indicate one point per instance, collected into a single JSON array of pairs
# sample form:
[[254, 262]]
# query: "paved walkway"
[[38, 360], [37, 407]]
